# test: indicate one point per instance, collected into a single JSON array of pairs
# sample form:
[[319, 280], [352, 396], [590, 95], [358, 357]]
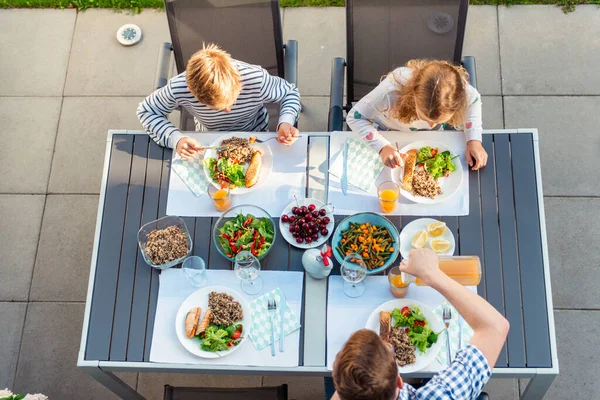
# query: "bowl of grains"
[[165, 242]]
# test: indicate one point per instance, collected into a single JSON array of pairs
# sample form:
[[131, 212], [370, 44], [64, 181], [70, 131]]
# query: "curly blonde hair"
[[436, 92]]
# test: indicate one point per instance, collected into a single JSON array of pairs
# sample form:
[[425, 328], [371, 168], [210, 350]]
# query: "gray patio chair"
[[190, 393], [382, 35], [250, 30]]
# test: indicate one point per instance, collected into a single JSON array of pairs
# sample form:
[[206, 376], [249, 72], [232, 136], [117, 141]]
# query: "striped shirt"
[[248, 114]]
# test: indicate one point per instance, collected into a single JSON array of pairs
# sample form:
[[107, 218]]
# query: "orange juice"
[[465, 270], [388, 200], [398, 287], [221, 199]]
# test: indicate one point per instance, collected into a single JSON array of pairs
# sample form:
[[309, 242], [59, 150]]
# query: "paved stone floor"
[[69, 81]]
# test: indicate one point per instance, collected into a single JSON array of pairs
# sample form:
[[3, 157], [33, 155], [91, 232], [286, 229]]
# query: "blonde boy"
[[222, 94]]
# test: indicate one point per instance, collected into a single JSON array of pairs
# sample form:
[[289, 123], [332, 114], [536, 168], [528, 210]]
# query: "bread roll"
[[191, 321], [409, 168], [385, 322], [253, 169], [202, 326]]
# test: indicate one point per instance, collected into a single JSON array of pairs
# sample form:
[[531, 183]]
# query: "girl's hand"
[[391, 157], [287, 134], [187, 147], [476, 154]]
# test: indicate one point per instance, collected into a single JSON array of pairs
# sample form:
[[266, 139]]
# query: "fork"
[[257, 140], [447, 317], [272, 308]]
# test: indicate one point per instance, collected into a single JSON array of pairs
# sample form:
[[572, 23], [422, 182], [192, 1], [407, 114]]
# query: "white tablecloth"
[[174, 289], [358, 200], [346, 315], [288, 178]]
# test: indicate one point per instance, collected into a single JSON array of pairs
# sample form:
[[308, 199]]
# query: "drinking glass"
[[247, 268], [221, 197], [398, 287], [353, 271], [194, 268], [388, 193]]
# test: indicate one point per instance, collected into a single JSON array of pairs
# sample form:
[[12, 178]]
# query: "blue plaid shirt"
[[463, 379]]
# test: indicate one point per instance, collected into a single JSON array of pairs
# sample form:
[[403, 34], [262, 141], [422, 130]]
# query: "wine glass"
[[247, 268], [195, 269], [353, 271]]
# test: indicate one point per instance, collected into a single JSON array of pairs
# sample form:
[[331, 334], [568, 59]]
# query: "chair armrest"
[[335, 121], [162, 67], [469, 63], [291, 62]]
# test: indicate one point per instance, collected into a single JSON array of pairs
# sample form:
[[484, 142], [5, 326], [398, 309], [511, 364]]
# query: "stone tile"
[[48, 361], [21, 216], [539, 43], [299, 387], [100, 65], [151, 386], [321, 36], [573, 257], [35, 64], [62, 264], [28, 132], [84, 123], [481, 42], [505, 389], [313, 117], [568, 132], [493, 116], [12, 316]]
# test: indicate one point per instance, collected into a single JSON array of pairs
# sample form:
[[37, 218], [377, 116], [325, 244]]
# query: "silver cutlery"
[[281, 332], [272, 307], [344, 180], [257, 140], [398, 148], [447, 317]]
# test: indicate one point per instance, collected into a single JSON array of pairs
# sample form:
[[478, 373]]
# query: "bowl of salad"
[[244, 227]]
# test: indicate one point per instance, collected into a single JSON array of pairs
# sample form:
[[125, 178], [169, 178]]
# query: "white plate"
[[417, 225], [449, 185], [267, 161], [284, 226], [200, 299], [423, 360]]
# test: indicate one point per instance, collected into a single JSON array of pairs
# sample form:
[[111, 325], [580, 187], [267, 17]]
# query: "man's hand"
[[391, 157], [287, 134], [424, 264], [187, 147], [476, 154]]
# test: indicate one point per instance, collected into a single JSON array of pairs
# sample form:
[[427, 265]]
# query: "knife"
[[344, 180], [281, 333]]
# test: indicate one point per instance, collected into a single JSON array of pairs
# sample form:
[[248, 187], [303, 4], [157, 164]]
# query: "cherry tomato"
[[419, 323], [236, 335], [405, 311]]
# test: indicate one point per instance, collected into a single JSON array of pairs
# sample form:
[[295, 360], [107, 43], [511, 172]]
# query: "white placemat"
[[288, 178], [174, 288], [339, 307], [358, 200]]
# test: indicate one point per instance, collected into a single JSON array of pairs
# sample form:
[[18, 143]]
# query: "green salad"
[[436, 163], [219, 338], [417, 328], [246, 232], [225, 172]]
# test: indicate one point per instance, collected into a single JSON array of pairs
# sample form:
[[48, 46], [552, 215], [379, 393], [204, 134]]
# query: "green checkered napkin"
[[191, 171], [364, 165], [260, 333], [453, 330]]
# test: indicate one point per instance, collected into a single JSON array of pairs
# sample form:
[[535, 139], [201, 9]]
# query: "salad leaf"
[[424, 154], [233, 172], [421, 336], [215, 339]]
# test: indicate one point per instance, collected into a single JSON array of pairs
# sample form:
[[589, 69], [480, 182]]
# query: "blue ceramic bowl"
[[372, 219]]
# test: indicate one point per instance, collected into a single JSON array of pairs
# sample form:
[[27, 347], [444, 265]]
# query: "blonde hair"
[[436, 91], [365, 368], [213, 77]]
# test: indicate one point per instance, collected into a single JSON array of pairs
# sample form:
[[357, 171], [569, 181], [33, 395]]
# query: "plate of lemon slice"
[[429, 233]]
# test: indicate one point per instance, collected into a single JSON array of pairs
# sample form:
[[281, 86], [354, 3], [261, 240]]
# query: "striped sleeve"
[[152, 113], [277, 90]]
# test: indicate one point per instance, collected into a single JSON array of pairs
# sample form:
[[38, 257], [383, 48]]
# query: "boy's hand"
[[187, 147], [476, 154], [287, 133], [424, 264], [391, 157]]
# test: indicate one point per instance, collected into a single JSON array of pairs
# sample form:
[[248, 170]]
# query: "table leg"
[[113, 383], [538, 386]]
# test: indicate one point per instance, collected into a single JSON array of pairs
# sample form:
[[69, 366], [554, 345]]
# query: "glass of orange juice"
[[397, 286], [221, 197], [388, 193]]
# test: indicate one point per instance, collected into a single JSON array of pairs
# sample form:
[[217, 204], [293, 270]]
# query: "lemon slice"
[[419, 240], [436, 229], [440, 245]]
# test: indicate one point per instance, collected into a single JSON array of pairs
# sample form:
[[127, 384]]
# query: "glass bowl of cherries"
[[306, 223]]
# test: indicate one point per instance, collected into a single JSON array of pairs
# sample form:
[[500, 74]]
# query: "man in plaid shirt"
[[365, 368]]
